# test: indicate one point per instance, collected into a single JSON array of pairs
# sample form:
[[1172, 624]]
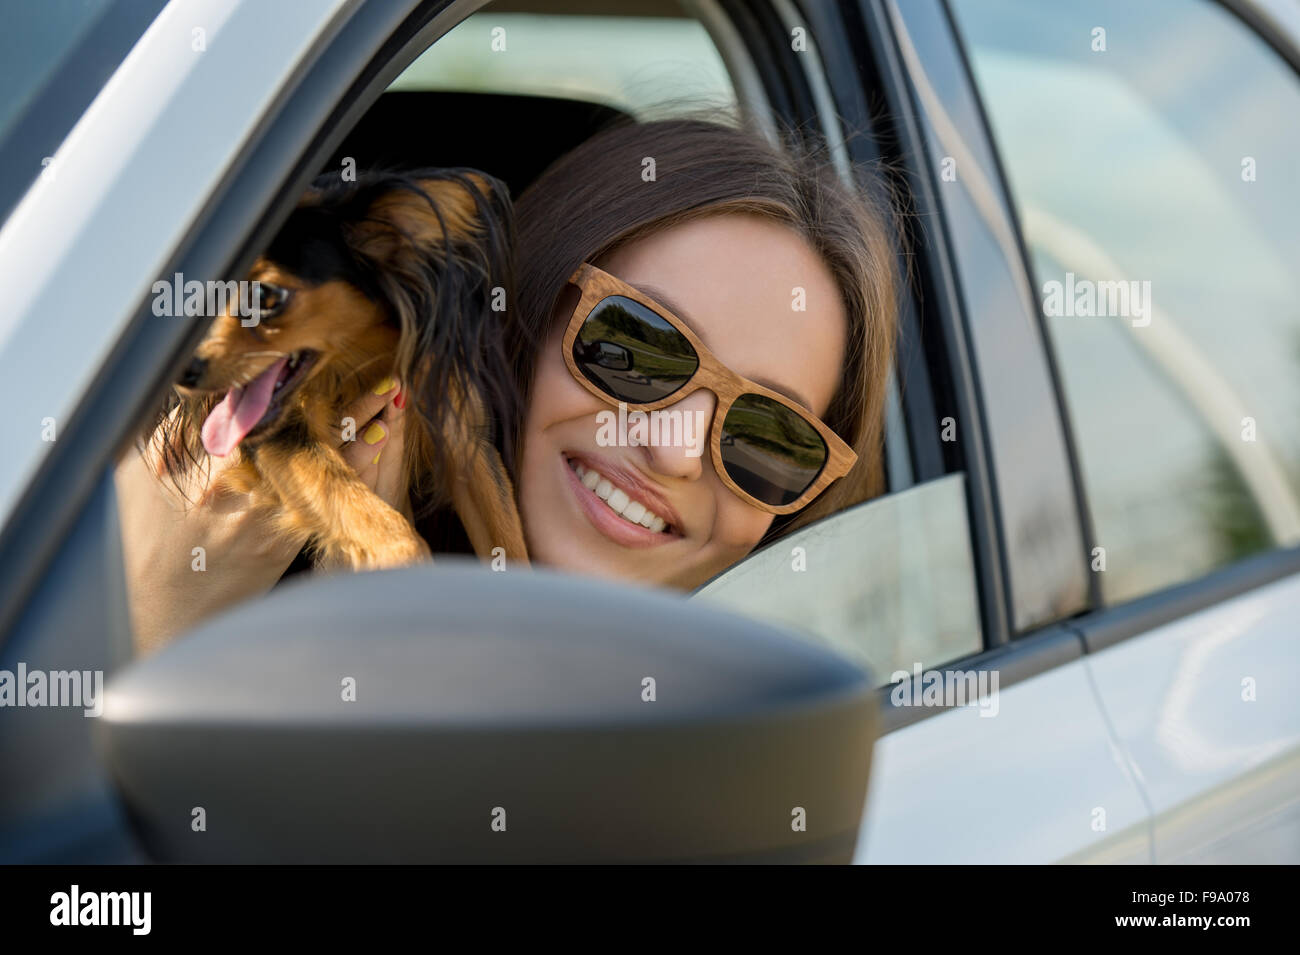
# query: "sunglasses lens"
[[631, 353], [770, 451]]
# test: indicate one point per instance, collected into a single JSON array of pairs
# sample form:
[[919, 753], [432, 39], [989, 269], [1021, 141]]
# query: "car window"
[[890, 583], [546, 73], [1150, 151], [641, 65]]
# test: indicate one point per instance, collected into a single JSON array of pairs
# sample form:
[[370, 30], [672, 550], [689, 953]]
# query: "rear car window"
[[1150, 149]]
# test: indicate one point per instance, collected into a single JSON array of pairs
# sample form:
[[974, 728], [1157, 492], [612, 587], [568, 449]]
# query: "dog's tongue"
[[242, 408]]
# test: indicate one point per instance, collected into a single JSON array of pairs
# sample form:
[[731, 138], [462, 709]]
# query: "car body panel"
[[1206, 708], [1023, 785]]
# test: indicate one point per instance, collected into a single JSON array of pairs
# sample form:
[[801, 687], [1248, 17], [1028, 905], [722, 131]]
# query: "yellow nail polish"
[[385, 386], [374, 434], [375, 459]]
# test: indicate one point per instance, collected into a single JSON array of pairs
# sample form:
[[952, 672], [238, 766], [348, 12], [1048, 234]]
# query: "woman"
[[779, 280]]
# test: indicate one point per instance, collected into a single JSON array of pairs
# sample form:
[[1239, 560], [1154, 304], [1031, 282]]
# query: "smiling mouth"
[[251, 409], [618, 501]]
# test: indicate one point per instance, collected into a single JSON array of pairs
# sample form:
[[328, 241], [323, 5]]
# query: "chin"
[[572, 556]]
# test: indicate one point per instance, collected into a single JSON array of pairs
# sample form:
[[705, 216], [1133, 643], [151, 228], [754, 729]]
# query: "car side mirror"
[[451, 714], [609, 355]]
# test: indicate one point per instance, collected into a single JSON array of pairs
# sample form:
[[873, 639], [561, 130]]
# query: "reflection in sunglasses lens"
[[770, 451], [631, 353]]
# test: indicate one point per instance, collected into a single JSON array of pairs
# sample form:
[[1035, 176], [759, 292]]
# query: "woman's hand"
[[192, 552], [376, 451]]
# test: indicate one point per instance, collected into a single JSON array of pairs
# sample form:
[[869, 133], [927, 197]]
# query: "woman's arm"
[[169, 589]]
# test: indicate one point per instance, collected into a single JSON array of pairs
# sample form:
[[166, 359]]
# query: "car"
[[1065, 634]]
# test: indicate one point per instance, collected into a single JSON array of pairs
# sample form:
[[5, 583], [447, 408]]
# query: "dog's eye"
[[271, 299]]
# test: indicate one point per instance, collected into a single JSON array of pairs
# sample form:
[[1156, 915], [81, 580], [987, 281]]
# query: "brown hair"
[[593, 200]]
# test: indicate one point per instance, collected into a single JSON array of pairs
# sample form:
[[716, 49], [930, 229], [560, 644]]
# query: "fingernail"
[[400, 400], [375, 459], [385, 386], [374, 433]]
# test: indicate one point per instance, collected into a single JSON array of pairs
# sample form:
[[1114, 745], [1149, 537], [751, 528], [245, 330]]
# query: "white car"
[[1078, 603]]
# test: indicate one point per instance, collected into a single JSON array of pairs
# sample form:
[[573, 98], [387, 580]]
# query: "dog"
[[392, 273]]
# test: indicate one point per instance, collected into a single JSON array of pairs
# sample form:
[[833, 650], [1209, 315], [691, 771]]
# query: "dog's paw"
[[396, 550], [392, 553]]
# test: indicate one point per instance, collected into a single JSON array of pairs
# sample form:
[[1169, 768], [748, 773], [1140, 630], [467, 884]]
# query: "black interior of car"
[[510, 136]]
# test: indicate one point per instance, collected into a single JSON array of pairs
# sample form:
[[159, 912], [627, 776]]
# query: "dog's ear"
[[404, 221]]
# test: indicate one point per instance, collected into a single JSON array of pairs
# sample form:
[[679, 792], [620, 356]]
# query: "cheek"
[[739, 525], [558, 412], [556, 397]]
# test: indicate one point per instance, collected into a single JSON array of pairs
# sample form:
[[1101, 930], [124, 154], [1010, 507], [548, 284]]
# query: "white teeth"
[[618, 500]]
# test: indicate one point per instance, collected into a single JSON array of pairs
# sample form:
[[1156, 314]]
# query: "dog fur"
[[391, 274]]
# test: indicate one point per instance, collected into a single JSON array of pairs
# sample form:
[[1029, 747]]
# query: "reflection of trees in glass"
[[775, 429], [1230, 512], [1192, 511], [658, 350], [661, 353]]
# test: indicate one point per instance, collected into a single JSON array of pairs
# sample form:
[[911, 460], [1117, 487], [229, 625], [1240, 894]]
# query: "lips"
[[615, 523], [618, 500]]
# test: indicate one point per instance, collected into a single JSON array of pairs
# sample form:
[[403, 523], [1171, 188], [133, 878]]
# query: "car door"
[[1171, 176]]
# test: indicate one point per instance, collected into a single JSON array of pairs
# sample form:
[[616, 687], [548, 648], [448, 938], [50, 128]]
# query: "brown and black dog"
[[391, 274]]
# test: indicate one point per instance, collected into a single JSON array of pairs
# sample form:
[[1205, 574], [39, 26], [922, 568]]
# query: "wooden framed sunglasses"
[[622, 346]]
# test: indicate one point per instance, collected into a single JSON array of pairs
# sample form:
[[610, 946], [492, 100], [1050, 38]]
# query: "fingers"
[[362, 452], [390, 481], [376, 452], [365, 408]]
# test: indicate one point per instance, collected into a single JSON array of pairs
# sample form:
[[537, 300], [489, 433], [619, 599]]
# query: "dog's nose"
[[193, 374]]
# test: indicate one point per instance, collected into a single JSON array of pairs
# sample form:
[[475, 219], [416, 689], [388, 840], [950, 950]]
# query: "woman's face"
[[736, 280]]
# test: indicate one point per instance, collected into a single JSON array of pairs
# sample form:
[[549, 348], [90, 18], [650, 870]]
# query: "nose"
[[683, 435], [193, 372]]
